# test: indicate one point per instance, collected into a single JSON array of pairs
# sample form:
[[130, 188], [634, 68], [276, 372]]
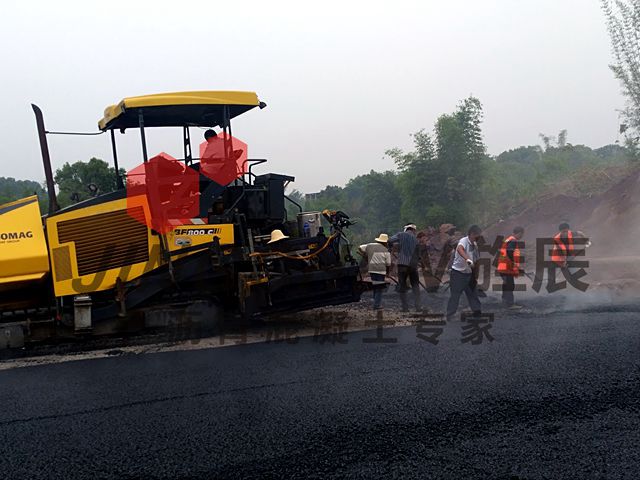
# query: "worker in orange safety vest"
[[510, 264], [567, 246], [562, 246]]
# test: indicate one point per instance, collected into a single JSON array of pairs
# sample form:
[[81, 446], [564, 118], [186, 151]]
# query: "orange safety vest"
[[506, 266], [560, 251]]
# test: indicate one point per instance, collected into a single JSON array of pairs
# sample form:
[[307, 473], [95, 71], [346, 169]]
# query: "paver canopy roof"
[[201, 109]]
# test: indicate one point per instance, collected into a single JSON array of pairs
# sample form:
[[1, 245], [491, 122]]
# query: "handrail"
[[255, 161], [294, 202]]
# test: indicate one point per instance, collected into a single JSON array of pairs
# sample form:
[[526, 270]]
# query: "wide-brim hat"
[[410, 226], [276, 236], [383, 238]]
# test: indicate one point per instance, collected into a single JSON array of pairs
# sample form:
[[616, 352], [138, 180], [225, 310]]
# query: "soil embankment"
[[610, 220]]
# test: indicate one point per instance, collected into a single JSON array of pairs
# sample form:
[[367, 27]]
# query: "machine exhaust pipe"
[[46, 160]]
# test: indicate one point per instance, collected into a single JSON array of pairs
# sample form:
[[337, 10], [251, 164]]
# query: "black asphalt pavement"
[[552, 396]]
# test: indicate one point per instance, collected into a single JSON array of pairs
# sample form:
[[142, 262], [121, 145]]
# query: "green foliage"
[[449, 178], [376, 199], [612, 154], [523, 173], [372, 200], [73, 180], [436, 215], [623, 23], [12, 189], [438, 182], [444, 175], [562, 139], [416, 178]]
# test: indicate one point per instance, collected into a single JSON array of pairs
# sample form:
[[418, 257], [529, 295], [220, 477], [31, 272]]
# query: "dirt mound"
[[541, 219], [611, 220], [615, 221]]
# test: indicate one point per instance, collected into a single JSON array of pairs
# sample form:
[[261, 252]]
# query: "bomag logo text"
[[4, 236], [197, 231]]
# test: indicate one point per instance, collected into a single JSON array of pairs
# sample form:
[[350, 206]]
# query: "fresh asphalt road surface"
[[555, 396]]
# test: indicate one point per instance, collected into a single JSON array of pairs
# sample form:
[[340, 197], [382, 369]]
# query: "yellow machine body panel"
[[92, 247], [23, 248]]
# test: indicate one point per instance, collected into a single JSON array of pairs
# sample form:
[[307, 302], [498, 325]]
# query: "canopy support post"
[[188, 155], [142, 136], [119, 182]]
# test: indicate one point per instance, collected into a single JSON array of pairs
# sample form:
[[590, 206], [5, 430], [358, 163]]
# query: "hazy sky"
[[343, 80]]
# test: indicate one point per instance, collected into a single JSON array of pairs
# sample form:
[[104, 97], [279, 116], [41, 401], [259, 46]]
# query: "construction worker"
[[408, 258], [510, 262], [461, 279], [563, 253], [562, 246], [378, 263]]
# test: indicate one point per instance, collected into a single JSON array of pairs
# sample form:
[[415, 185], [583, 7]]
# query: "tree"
[[75, 180], [547, 140], [372, 200], [12, 189], [521, 155], [417, 179], [461, 152], [623, 23], [376, 202], [441, 179], [562, 139]]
